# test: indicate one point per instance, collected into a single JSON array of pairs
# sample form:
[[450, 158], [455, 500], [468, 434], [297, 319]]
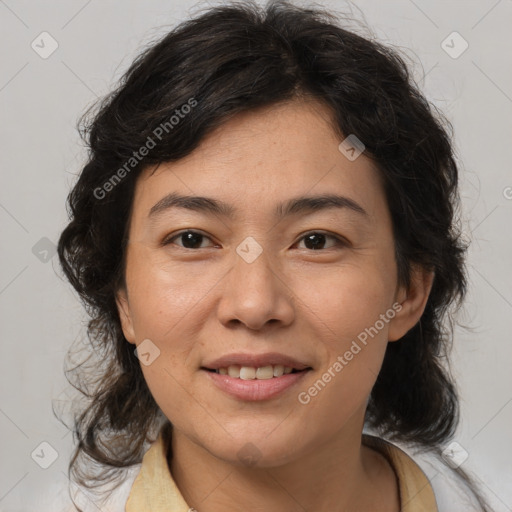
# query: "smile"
[[251, 373]]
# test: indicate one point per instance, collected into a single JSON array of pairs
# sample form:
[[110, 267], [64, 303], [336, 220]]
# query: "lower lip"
[[255, 389]]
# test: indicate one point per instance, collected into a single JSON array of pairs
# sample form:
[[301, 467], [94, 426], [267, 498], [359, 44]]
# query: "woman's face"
[[315, 283]]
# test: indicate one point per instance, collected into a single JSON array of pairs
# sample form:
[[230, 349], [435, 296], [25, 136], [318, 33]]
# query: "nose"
[[256, 294]]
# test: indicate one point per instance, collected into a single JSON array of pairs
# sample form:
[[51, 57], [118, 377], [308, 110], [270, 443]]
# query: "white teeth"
[[249, 373], [278, 370], [265, 372], [234, 371]]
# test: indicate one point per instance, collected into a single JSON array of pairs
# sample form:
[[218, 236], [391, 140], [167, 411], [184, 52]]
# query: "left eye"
[[313, 240], [317, 239]]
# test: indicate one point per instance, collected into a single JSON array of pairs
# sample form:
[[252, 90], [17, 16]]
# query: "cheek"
[[346, 300], [351, 310], [352, 339], [164, 294], [171, 390], [167, 302]]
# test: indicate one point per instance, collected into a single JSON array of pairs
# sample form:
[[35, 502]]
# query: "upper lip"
[[255, 361]]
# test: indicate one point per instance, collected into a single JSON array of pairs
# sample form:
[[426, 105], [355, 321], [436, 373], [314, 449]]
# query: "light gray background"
[[41, 100]]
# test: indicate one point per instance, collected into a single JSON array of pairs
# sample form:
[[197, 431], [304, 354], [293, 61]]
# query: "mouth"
[[251, 384], [252, 373]]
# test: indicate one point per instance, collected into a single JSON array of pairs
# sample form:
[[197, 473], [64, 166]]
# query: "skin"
[[197, 304]]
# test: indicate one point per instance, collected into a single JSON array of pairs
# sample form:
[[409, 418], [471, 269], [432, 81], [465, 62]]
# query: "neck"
[[339, 474]]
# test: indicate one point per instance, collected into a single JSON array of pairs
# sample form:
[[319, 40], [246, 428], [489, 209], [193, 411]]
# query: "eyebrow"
[[294, 206]]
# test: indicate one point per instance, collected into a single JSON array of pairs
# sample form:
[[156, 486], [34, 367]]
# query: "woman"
[[264, 236]]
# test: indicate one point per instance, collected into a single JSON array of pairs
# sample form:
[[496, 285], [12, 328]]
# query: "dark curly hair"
[[236, 58]]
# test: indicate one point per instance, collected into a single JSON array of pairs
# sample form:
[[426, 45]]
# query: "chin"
[[258, 450]]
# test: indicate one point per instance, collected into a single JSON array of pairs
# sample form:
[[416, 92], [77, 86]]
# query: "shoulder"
[[108, 501], [451, 492], [116, 501]]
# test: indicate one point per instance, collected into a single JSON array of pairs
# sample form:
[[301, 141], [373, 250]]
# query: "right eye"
[[190, 239]]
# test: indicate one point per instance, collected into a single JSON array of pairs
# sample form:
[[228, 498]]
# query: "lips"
[[256, 361], [256, 389]]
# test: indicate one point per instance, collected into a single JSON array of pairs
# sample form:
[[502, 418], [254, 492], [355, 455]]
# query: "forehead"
[[263, 157]]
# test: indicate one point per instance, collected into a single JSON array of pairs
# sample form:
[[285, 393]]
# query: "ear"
[[123, 308], [412, 301]]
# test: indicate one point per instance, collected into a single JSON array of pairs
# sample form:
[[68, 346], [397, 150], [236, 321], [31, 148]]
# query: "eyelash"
[[340, 242]]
